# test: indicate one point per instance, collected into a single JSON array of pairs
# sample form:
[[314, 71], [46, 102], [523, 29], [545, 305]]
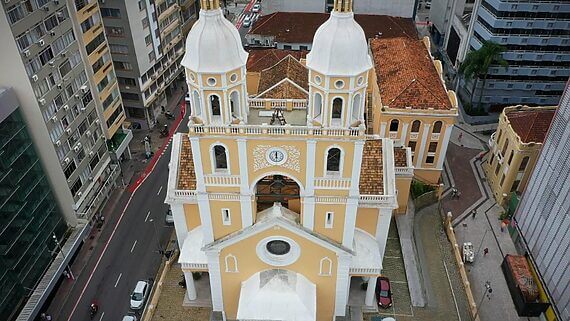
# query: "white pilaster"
[[349, 222], [215, 280], [205, 217], [382, 227], [309, 200], [370, 291], [179, 222], [245, 197], [342, 284], [383, 129], [443, 148], [198, 168], [420, 155], [404, 135], [190, 287]]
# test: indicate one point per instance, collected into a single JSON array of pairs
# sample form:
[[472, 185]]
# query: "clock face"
[[276, 156]]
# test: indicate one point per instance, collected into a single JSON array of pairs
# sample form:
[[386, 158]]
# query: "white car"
[[187, 99], [247, 21], [256, 8], [129, 318], [139, 295]]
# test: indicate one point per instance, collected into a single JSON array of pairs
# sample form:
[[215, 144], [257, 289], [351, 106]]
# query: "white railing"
[[367, 271], [393, 135], [261, 103], [330, 199], [275, 130], [414, 136], [299, 104], [224, 180], [376, 200], [194, 266], [333, 183], [404, 171], [256, 103], [278, 103], [435, 136], [223, 197]]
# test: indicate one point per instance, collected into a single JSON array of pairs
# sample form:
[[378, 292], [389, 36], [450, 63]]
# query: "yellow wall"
[[192, 216], [347, 151], [367, 219], [253, 83], [403, 187], [336, 231], [221, 230], [307, 265]]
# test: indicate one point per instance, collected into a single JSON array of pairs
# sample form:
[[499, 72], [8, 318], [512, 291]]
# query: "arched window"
[[231, 264], [356, 108], [220, 157], [437, 127], [318, 105], [333, 160], [505, 146], [325, 267], [394, 124], [416, 126], [196, 109], [523, 164], [234, 104], [215, 105], [337, 108]]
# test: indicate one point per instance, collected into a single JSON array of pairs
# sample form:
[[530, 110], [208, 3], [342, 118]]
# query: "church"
[[282, 195]]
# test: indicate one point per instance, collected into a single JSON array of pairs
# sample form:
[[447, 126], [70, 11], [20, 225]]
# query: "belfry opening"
[[277, 188]]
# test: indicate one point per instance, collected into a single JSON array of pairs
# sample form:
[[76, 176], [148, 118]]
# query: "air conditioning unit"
[[58, 143], [65, 107], [90, 178], [54, 119], [51, 63], [68, 131], [42, 101], [84, 89], [83, 109], [76, 149], [35, 78], [41, 42], [52, 33], [67, 160], [97, 121], [79, 194], [91, 153], [59, 86], [88, 133], [59, 14], [26, 53], [77, 96]]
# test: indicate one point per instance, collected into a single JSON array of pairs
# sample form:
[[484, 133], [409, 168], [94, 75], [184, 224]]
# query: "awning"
[[277, 295], [191, 254], [367, 259]]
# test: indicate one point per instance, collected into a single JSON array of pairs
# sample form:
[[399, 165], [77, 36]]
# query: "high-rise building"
[[146, 41], [536, 35], [55, 57], [29, 212], [542, 220], [396, 8]]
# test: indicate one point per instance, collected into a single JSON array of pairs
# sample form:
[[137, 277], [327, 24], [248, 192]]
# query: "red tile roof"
[[531, 125], [260, 59], [288, 68], [371, 169], [406, 75], [186, 173], [300, 27]]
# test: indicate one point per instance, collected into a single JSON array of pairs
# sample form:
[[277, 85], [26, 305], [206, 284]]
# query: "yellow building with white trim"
[[283, 198]]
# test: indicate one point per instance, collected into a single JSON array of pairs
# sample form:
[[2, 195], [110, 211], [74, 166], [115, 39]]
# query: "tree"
[[476, 64]]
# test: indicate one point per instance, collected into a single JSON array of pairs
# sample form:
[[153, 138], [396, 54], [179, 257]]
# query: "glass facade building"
[[29, 215]]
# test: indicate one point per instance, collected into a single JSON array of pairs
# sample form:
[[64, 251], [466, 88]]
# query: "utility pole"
[[63, 254]]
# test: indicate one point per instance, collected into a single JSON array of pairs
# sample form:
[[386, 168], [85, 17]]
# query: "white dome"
[[213, 45], [339, 47]]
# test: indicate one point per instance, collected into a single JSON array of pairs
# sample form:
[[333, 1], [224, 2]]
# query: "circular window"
[[360, 81], [318, 80], [278, 247], [211, 81], [339, 84], [278, 251], [233, 77], [192, 77]]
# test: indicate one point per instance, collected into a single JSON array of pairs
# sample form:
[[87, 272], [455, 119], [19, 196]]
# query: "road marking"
[[118, 279], [160, 189], [133, 248], [147, 215], [102, 314]]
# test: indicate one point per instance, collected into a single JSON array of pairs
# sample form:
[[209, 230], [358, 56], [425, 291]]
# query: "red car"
[[383, 292]]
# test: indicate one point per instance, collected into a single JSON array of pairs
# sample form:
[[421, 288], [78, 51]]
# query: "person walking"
[[473, 213], [485, 251]]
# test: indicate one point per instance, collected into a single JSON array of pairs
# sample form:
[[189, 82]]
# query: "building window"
[[502, 180], [226, 216], [325, 267], [497, 168], [76, 187], [510, 158], [278, 247], [196, 108], [394, 124], [437, 127], [318, 105], [337, 108], [523, 164], [333, 160], [416, 126], [505, 145], [515, 186], [412, 145], [430, 159], [110, 12], [432, 147], [329, 218], [220, 158], [68, 171], [215, 105], [491, 159], [231, 264], [356, 107], [234, 104]]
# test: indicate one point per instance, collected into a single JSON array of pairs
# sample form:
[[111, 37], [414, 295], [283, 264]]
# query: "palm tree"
[[477, 63]]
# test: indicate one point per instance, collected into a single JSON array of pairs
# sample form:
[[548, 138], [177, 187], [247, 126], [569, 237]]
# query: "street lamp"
[[63, 254], [487, 293]]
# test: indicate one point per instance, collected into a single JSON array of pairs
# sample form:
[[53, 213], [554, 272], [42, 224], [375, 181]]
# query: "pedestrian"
[[48, 317], [504, 225], [485, 251], [460, 136], [43, 317], [473, 213], [66, 274]]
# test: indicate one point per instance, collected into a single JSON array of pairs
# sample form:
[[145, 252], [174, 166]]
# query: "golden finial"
[[342, 5], [210, 4]]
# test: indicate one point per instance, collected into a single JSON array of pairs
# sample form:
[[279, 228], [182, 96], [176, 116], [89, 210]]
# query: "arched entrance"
[[277, 188]]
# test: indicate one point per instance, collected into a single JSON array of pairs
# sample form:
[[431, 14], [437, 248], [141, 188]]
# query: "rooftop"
[[288, 79], [260, 59], [300, 27], [186, 174], [406, 75], [530, 123], [371, 172], [400, 157]]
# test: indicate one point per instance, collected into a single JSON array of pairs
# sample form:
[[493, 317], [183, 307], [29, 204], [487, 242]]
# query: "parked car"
[[188, 99], [129, 318], [428, 4], [168, 218], [139, 295], [383, 292], [247, 21], [256, 8]]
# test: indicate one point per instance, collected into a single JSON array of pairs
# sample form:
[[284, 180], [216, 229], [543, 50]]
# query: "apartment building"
[[396, 8], [542, 216], [146, 46], [537, 37]]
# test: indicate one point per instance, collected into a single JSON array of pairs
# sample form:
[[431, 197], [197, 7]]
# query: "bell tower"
[[338, 70], [215, 71]]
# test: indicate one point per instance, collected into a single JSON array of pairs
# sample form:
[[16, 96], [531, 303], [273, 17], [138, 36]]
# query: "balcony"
[[276, 130], [120, 141]]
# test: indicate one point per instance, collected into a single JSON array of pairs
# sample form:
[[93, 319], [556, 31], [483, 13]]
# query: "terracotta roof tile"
[[289, 68], [371, 169], [260, 59], [400, 157], [186, 174], [406, 75], [285, 90], [531, 125], [300, 27]]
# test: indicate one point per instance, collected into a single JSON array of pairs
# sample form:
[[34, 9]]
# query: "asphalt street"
[[135, 234]]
